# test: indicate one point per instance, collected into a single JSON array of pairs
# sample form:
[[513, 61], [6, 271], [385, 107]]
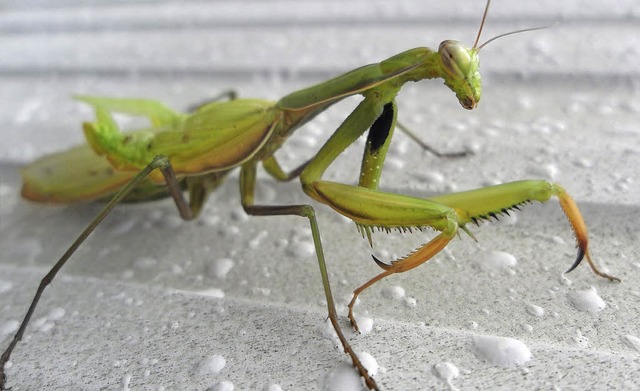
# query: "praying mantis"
[[194, 152]]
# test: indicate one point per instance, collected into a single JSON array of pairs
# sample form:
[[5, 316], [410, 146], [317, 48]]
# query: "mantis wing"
[[78, 174], [218, 136]]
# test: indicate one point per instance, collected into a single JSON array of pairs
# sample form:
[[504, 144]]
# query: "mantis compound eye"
[[456, 59]]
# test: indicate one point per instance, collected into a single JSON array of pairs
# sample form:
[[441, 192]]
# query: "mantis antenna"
[[484, 17], [510, 33]]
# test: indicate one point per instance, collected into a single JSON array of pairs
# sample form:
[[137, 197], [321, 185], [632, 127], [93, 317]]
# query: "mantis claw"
[[570, 210], [380, 263], [578, 260], [581, 255]]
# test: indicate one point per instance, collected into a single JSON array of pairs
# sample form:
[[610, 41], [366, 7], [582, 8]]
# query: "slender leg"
[[224, 95], [160, 162], [247, 189], [428, 147], [273, 168]]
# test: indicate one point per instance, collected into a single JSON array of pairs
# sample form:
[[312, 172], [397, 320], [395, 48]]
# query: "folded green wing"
[[78, 174]]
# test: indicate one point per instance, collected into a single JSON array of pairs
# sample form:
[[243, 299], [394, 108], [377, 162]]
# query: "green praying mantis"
[[194, 152]]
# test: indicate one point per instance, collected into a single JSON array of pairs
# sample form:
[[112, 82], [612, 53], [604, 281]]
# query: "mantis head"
[[460, 65], [461, 75]]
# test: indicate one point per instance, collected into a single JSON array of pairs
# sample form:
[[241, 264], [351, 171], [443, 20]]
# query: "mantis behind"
[[194, 152]]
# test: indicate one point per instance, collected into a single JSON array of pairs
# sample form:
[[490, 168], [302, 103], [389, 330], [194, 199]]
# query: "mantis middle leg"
[[247, 190]]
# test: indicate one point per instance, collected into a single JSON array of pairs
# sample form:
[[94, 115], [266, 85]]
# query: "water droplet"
[[446, 372], [229, 230], [255, 242], [123, 227], [587, 300], [272, 387], [606, 108], [210, 220], [399, 147], [583, 162], [145, 263], [394, 292], [43, 324], [301, 248], [26, 112], [369, 362], [211, 365], [501, 351], [5, 286], [343, 377], [221, 386], [535, 310], [119, 363], [580, 340], [365, 324], [430, 178], [410, 302], [496, 260], [558, 240], [325, 330], [126, 380], [212, 292], [546, 171], [631, 341], [564, 280], [9, 327], [394, 164], [239, 215], [56, 313], [261, 291], [219, 268]]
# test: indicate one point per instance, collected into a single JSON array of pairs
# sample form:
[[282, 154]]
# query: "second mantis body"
[[194, 152]]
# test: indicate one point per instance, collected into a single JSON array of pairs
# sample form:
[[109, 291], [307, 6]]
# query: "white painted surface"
[[561, 103]]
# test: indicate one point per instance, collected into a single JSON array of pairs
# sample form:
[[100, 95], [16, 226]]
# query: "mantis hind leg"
[[247, 189], [175, 190]]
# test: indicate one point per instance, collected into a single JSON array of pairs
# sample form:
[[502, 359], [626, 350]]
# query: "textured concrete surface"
[[153, 303]]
